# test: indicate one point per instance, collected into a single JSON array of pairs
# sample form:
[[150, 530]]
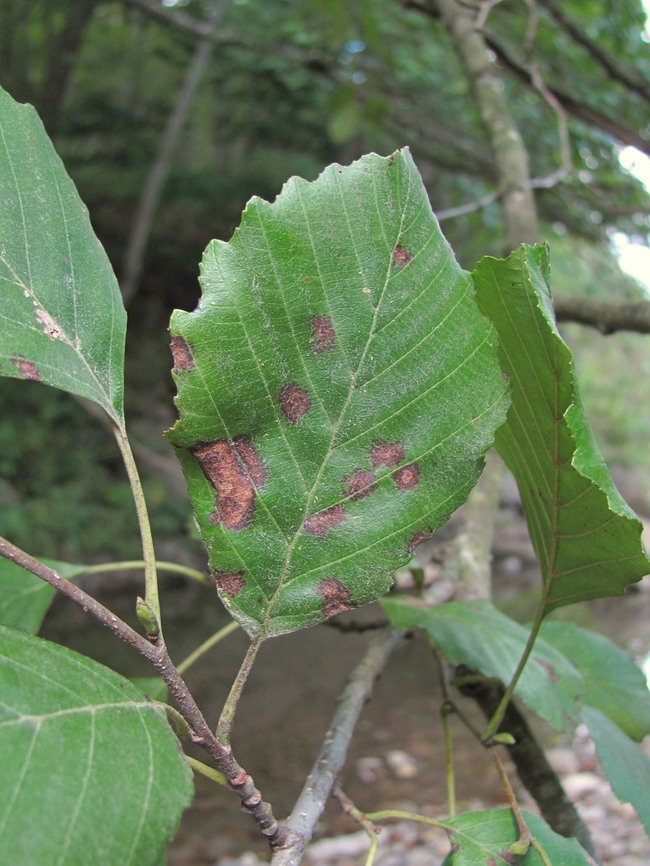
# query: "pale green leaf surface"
[[476, 634], [625, 764], [612, 682], [484, 838], [91, 772], [339, 387], [587, 539], [25, 598], [61, 313]]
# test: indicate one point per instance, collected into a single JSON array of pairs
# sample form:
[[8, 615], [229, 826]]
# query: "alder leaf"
[[337, 389], [25, 598], [587, 539], [91, 772], [62, 318]]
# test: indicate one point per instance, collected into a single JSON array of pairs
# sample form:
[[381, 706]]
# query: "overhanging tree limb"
[[605, 316], [143, 219]]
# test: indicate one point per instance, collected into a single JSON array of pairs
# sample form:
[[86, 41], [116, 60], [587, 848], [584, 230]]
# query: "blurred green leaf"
[[476, 634], [87, 757], [626, 766], [25, 598], [481, 838], [612, 683], [62, 318], [337, 388], [587, 540]]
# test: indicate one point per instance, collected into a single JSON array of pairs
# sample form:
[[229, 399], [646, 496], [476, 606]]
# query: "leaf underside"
[[62, 318], [91, 772], [337, 389], [586, 538]]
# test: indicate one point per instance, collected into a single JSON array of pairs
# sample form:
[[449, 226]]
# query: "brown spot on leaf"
[[323, 336], [27, 369], [230, 582], [321, 522], [361, 483], [407, 477], [182, 354], [235, 470], [295, 402], [418, 538], [401, 256], [386, 453], [336, 597], [550, 670]]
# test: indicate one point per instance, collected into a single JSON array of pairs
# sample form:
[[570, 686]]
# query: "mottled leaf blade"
[[587, 539], [86, 758], [476, 634], [25, 598], [480, 838], [339, 388], [62, 318], [612, 682]]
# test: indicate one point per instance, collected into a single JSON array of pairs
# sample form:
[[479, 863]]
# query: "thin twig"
[[328, 764], [239, 780], [227, 716]]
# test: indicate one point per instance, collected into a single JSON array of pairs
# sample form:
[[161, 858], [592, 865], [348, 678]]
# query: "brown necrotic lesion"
[[236, 471]]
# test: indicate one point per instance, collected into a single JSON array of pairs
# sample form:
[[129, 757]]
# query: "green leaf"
[[613, 683], [86, 759], [476, 634], [62, 318], [480, 838], [153, 687], [587, 539], [626, 766], [337, 389], [25, 598]]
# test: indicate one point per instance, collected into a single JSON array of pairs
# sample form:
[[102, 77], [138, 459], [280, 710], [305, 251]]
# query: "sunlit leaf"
[[91, 772], [61, 313], [337, 388], [587, 539]]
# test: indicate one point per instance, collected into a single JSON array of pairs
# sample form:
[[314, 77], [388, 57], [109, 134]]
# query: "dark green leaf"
[[626, 766], [612, 683], [476, 634], [25, 598], [91, 772], [62, 318], [337, 389], [587, 539], [484, 837]]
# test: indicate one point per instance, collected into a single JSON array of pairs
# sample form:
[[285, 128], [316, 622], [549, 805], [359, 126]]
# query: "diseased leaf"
[[626, 766], [587, 539], [25, 598], [481, 838], [476, 634], [91, 772], [612, 682], [337, 389], [62, 318]]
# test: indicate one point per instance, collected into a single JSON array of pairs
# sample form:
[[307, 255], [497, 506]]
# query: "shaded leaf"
[[337, 388], [476, 634], [626, 766], [586, 538], [482, 838], [613, 683], [62, 318], [87, 757], [25, 598], [153, 687]]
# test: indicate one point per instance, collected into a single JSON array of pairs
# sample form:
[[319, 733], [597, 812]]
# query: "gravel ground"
[[618, 834]]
